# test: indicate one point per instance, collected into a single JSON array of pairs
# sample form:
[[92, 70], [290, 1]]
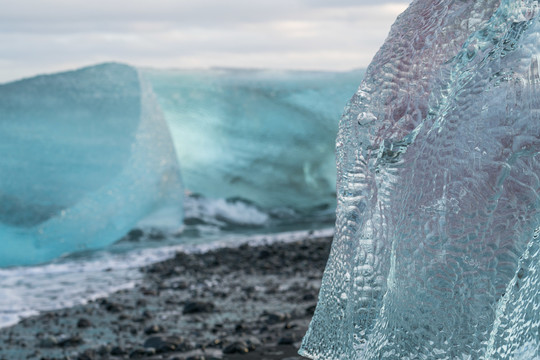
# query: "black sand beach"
[[230, 303]]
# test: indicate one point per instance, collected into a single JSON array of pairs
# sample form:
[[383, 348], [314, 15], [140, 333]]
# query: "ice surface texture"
[[262, 135], [436, 253], [85, 156]]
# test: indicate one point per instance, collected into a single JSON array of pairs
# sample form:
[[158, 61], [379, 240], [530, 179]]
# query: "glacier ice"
[[262, 135], [436, 253], [86, 155]]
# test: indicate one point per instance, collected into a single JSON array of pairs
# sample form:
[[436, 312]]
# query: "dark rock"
[[118, 351], [194, 307], [264, 254], [153, 329], [74, 340], [275, 318], [240, 328], [287, 340], [141, 353], [196, 357], [252, 343], [310, 310], [83, 323], [104, 350], [110, 306], [239, 347], [135, 235], [88, 354], [167, 344], [215, 342], [290, 326], [48, 342], [181, 285]]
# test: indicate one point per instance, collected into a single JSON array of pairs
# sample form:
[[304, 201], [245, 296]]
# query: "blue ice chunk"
[[85, 156], [262, 135]]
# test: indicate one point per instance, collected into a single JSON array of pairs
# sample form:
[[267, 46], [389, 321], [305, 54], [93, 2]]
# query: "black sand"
[[231, 303]]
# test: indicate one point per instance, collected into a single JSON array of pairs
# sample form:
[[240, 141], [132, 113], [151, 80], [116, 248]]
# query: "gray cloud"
[[37, 36]]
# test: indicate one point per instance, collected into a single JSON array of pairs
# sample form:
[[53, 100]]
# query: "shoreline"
[[246, 302]]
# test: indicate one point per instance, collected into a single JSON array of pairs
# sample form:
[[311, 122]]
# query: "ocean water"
[[75, 279], [256, 155]]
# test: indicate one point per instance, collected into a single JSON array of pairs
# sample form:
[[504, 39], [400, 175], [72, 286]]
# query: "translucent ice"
[[262, 135], [436, 253], [85, 156]]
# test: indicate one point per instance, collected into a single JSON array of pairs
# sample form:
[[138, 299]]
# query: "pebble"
[[70, 341], [287, 340], [236, 347], [118, 351], [153, 329], [167, 344], [194, 307], [141, 353], [48, 342], [83, 323], [211, 299]]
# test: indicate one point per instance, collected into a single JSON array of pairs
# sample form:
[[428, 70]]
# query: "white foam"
[[26, 291]]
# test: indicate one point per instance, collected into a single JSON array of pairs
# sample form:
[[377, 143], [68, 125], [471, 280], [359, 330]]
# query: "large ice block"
[[436, 252], [262, 135], [85, 156]]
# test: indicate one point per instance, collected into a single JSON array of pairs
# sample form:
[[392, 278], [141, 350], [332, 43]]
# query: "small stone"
[[239, 347], [289, 326], [141, 353], [74, 340], [240, 328], [135, 235], [263, 254], [167, 344], [153, 329], [118, 351], [275, 318], [287, 340], [110, 306], [310, 310], [88, 354], [194, 307], [104, 350], [83, 323], [48, 342]]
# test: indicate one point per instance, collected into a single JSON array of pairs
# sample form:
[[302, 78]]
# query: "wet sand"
[[247, 302]]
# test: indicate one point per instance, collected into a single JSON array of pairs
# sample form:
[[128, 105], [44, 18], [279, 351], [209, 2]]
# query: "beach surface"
[[244, 302]]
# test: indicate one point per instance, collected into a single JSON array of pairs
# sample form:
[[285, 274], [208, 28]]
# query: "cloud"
[[299, 34]]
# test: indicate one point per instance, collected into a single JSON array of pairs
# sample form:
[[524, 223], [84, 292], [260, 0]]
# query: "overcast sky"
[[38, 36]]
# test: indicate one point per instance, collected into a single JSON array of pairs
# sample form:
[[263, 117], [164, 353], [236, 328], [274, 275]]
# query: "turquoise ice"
[[262, 135], [85, 156], [436, 253]]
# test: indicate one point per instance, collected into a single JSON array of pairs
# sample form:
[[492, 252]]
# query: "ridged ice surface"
[[436, 253], [85, 156]]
